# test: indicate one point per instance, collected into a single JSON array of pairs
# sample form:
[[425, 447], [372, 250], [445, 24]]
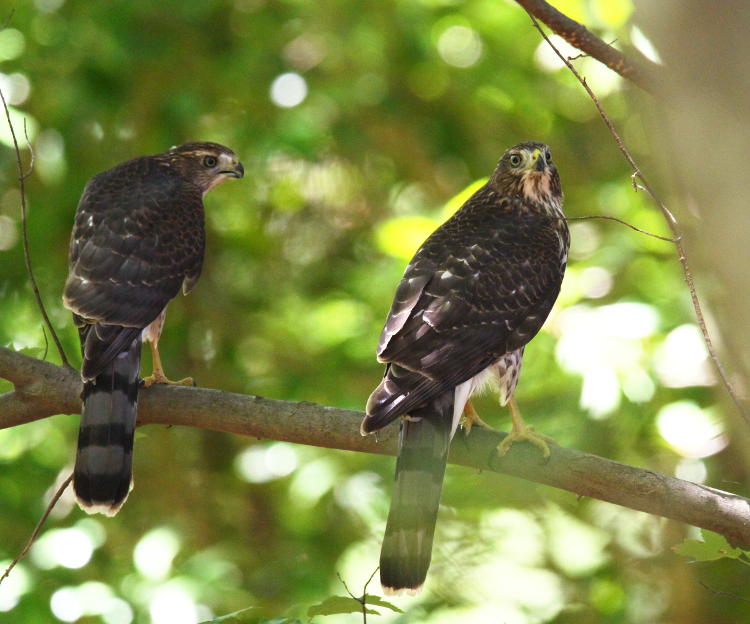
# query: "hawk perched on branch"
[[475, 293], [138, 238]]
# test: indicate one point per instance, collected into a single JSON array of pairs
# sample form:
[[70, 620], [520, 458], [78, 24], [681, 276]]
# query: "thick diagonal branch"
[[643, 74], [43, 389]]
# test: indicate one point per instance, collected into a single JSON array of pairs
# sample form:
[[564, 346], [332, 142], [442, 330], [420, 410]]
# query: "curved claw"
[[524, 432], [159, 378], [470, 418]]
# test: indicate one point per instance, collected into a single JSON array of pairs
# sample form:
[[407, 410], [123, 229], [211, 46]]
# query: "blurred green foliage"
[[362, 125]]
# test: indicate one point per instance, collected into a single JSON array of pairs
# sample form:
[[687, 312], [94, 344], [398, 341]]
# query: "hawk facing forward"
[[138, 238], [475, 293]]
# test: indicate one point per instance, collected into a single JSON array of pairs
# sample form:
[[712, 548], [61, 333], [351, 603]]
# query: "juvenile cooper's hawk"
[[138, 238], [475, 293]]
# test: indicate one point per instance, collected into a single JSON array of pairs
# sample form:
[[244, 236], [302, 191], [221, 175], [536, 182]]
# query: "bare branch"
[[32, 379], [643, 74], [671, 222], [57, 391], [22, 175], [632, 227], [37, 528]]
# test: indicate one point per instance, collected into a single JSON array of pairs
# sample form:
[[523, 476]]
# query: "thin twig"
[[46, 344], [364, 593], [369, 580], [8, 19], [24, 229], [38, 527], [671, 222], [632, 227], [718, 592], [363, 599]]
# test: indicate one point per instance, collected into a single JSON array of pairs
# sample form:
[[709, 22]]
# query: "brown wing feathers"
[[477, 291], [138, 236]]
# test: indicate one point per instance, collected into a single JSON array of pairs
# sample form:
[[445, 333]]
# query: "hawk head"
[[204, 164], [527, 170]]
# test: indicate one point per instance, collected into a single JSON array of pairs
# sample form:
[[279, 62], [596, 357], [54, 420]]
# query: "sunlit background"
[[362, 126]]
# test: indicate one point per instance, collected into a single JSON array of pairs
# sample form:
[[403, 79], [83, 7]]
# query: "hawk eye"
[[515, 160], [548, 157], [209, 161]]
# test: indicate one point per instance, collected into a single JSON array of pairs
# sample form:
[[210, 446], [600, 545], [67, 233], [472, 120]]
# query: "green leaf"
[[712, 547], [335, 605], [35, 352], [379, 602], [281, 620]]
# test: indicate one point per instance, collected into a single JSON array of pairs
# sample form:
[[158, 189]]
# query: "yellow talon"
[[158, 376], [469, 418], [522, 431]]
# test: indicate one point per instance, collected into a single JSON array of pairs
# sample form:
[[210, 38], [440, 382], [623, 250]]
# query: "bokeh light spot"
[[691, 469], [154, 553], [400, 237], [260, 464], [15, 87], [682, 359], [312, 482], [69, 548], [8, 233], [546, 58], [18, 119], [643, 44], [14, 586], [691, 431], [288, 90], [66, 605], [12, 43], [172, 604], [460, 46]]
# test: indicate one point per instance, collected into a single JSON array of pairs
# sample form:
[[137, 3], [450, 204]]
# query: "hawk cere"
[[475, 293], [138, 238]]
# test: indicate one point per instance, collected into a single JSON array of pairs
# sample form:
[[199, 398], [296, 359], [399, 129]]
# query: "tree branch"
[[643, 74], [24, 226], [43, 389], [645, 186]]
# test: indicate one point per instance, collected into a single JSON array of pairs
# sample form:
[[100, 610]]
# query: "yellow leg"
[[522, 431], [158, 376], [470, 418]]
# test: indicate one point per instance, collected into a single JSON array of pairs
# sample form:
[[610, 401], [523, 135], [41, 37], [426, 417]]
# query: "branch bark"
[[43, 389], [644, 74]]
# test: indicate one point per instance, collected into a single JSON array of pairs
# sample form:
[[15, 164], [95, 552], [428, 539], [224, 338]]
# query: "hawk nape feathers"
[[475, 293], [138, 238]]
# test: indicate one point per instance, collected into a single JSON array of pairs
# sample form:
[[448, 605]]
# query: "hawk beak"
[[237, 172], [540, 162]]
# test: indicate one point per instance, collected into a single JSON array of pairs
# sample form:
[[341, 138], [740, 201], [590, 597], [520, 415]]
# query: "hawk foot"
[[522, 431], [525, 433], [159, 378], [469, 418]]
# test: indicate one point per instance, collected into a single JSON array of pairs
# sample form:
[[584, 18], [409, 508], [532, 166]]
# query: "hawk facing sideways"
[[475, 293], [138, 238]]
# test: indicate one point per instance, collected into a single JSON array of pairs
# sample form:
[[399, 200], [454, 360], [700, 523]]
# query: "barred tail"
[[103, 472], [422, 456]]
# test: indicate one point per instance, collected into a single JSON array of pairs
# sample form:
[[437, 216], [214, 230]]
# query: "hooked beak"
[[539, 160], [237, 170]]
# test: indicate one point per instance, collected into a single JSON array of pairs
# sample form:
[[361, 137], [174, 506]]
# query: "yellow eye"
[[515, 160], [209, 161]]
